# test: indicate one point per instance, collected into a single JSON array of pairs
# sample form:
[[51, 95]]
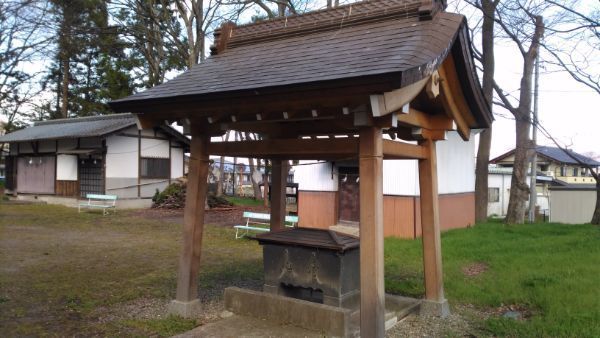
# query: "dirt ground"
[[68, 274], [215, 217]]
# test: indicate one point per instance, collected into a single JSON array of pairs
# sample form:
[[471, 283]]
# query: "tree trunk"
[[255, 187], [596, 217], [481, 175], [485, 138], [64, 108], [221, 171], [519, 190], [266, 184]]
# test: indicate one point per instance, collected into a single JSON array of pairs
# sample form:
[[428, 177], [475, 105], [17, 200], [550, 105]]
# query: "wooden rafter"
[[288, 148], [453, 99], [419, 119]]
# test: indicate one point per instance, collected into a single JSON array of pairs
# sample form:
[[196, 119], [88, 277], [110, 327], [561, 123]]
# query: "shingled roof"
[[400, 38], [92, 126]]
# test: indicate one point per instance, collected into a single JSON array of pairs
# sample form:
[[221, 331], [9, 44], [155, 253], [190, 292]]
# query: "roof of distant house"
[[92, 126], [554, 154]]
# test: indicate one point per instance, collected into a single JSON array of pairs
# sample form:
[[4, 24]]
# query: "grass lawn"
[[549, 270], [64, 273]]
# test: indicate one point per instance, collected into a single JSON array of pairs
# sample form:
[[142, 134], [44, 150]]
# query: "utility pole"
[[532, 184]]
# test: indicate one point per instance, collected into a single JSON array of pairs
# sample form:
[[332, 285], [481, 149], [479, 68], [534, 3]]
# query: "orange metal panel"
[[317, 209]]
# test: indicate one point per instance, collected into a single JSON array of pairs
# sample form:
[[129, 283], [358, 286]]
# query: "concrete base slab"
[[189, 309], [328, 320], [243, 326], [433, 308]]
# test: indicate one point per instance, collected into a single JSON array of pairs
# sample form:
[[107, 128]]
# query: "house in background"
[[555, 163], [499, 179], [62, 160], [328, 195]]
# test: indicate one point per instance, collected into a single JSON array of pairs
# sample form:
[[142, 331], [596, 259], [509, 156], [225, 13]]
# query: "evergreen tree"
[[90, 66]]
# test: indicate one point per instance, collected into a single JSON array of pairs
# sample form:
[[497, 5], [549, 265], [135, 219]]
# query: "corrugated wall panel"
[[456, 165], [401, 214], [400, 177], [317, 209], [316, 177], [572, 206], [457, 211]]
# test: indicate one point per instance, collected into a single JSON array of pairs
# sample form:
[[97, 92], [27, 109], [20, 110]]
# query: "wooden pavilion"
[[375, 80]]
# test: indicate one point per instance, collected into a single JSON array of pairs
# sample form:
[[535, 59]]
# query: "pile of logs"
[[173, 197]]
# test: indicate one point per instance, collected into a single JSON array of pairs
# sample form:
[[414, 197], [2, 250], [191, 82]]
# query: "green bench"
[[102, 202], [260, 223]]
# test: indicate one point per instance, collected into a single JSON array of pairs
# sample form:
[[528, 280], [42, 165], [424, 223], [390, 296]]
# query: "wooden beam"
[[287, 148], [430, 224], [193, 220], [145, 122], [393, 101], [422, 134], [419, 119], [395, 150], [278, 193], [453, 102], [372, 293]]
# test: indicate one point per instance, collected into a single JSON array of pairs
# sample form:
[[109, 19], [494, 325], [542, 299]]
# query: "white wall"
[[66, 167], [155, 148], [176, 162], [456, 171], [315, 177], [502, 182], [122, 157]]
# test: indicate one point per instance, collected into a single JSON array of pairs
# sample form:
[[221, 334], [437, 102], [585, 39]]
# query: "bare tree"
[[22, 39], [576, 46], [486, 58], [528, 44]]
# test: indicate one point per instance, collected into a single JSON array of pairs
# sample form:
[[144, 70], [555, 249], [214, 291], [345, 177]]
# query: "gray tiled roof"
[[355, 40], [71, 128]]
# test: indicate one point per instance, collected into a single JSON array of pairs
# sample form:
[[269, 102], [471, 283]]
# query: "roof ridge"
[[84, 119], [231, 36]]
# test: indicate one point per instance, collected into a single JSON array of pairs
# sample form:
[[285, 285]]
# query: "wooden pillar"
[[430, 224], [186, 303], [372, 293], [278, 183]]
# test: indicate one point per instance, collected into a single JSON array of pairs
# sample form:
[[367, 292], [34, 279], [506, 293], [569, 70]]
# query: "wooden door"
[[36, 174], [349, 208]]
